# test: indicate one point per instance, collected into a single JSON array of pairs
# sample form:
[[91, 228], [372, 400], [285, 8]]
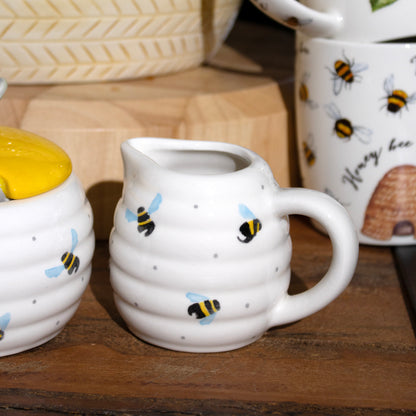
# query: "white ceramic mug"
[[359, 20], [200, 250], [356, 131]]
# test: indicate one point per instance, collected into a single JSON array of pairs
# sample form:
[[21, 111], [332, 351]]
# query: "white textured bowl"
[[39, 295], [58, 41]]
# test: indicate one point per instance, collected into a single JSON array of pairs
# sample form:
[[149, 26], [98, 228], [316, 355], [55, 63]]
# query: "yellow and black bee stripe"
[[396, 101], [343, 128], [204, 308], [144, 222], [249, 230], [70, 261], [343, 70], [303, 92], [309, 154]]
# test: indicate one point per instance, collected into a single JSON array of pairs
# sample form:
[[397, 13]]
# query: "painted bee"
[[251, 227], [4, 322], [308, 151], [69, 260], [345, 72], [295, 22], [343, 127], [144, 222], [396, 99], [204, 309], [304, 93]]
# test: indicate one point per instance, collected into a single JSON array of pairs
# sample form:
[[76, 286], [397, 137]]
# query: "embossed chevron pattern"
[[50, 41]]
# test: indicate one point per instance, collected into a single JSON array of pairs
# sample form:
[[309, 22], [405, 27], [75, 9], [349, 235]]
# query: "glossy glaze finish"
[[355, 123], [205, 267], [350, 20], [39, 293]]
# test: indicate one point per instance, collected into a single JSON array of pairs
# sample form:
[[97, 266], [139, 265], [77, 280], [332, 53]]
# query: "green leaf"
[[379, 4]]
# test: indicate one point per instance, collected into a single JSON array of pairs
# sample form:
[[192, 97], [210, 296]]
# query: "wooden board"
[[355, 357], [90, 121]]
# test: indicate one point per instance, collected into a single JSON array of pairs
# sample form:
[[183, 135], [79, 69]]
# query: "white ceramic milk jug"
[[200, 250]]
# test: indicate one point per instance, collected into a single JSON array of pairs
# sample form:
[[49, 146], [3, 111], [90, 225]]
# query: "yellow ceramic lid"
[[30, 164]]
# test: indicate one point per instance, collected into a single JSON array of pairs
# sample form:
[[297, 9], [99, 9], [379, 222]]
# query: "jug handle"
[[297, 16], [335, 219]]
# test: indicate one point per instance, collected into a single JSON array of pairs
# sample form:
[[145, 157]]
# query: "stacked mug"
[[355, 81]]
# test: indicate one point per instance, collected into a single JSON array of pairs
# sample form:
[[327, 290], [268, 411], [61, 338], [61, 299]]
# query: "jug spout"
[[136, 162], [184, 167]]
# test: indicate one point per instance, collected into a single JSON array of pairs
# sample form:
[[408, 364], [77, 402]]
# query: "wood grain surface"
[[355, 357]]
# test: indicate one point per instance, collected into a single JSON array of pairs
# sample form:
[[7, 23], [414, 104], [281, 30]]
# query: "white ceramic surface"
[[356, 128], [213, 233], [38, 293], [355, 20], [3, 87]]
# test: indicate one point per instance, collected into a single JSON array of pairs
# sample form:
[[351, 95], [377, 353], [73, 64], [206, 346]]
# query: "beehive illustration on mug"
[[391, 210]]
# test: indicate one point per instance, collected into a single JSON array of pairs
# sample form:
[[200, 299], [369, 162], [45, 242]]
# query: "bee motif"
[[295, 22], [344, 129], [308, 151], [251, 227], [345, 73], [204, 309], [396, 99], [4, 322], [304, 93], [69, 260], [144, 221]]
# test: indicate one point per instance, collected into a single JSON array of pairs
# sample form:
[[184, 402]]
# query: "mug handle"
[[339, 226], [297, 16]]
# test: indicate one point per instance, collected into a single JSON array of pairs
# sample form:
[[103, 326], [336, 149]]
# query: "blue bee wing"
[[364, 134], [311, 139], [245, 212], [74, 239], [333, 111], [130, 216], [338, 83], [154, 206], [207, 320], [55, 271], [194, 297], [359, 67], [389, 84], [4, 321]]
